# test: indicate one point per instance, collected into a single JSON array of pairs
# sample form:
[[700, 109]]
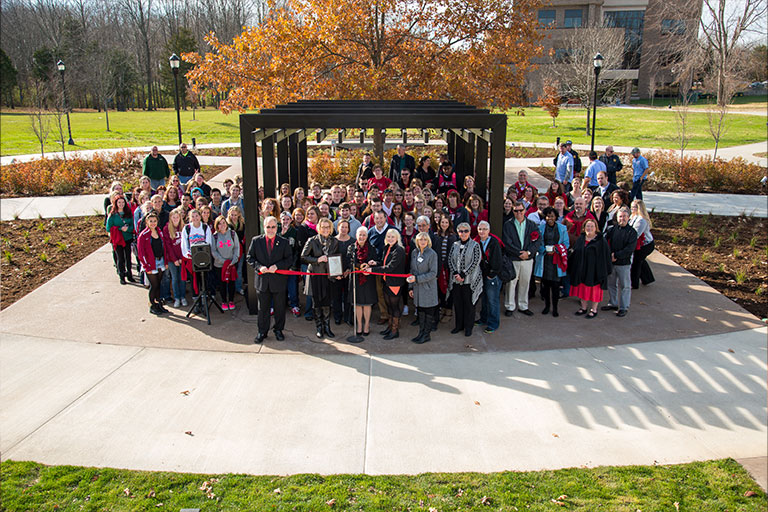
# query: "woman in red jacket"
[[153, 249]]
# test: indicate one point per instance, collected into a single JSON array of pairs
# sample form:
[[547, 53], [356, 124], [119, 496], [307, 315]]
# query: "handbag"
[[507, 272]]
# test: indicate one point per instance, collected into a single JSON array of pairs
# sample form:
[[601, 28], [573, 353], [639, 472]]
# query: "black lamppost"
[[61, 68], [598, 63], [175, 61]]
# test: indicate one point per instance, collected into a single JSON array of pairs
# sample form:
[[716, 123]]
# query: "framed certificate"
[[334, 266]]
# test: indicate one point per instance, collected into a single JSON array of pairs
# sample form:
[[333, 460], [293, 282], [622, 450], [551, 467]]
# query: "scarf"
[[310, 225], [362, 257]]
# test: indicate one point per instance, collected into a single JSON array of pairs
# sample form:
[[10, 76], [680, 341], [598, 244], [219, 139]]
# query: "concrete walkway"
[[86, 383]]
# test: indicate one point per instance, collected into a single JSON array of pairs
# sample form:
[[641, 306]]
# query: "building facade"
[[650, 29]]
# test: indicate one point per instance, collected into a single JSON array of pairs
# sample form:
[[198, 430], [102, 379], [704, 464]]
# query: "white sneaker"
[[184, 302], [177, 303], [405, 311]]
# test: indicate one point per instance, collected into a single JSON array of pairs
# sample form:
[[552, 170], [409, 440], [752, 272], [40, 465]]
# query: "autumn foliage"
[[550, 101], [476, 51]]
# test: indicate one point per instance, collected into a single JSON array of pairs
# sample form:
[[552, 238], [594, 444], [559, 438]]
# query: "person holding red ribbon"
[[267, 254], [315, 255], [225, 250], [392, 262]]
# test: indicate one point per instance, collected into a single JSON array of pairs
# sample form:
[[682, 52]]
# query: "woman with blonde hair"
[[423, 285], [315, 254], [392, 262], [641, 221], [236, 222], [173, 231]]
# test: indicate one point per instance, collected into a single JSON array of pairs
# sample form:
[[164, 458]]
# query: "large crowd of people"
[[414, 241]]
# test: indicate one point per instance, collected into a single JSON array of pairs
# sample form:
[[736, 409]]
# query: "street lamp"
[[598, 63], [60, 66], [174, 60]]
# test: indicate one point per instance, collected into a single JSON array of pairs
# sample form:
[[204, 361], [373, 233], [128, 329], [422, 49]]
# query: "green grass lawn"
[[627, 127], [621, 127], [701, 486], [756, 101]]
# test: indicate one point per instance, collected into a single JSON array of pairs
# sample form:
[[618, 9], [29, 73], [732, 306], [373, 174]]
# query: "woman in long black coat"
[[315, 255], [588, 268], [392, 262], [359, 256]]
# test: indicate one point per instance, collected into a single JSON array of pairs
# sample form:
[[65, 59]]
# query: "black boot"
[[327, 323], [554, 305], [319, 323], [422, 323], [395, 332], [388, 330]]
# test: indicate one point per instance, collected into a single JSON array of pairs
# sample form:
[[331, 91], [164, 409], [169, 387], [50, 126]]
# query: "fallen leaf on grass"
[[151, 494], [189, 433], [485, 500], [677, 506], [558, 503], [127, 491], [433, 509], [185, 393], [562, 497], [331, 502], [460, 493], [749, 494], [277, 491], [158, 504], [430, 496]]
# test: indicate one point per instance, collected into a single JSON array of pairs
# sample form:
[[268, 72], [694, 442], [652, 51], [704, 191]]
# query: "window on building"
[[676, 27], [632, 23], [563, 54], [546, 17], [572, 18]]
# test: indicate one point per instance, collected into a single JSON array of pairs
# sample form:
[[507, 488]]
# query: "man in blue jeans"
[[640, 169], [490, 265]]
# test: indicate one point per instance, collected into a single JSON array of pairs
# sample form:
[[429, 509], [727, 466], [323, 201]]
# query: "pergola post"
[[469, 156], [303, 176], [294, 157], [268, 165], [250, 200], [282, 168], [481, 169], [496, 176]]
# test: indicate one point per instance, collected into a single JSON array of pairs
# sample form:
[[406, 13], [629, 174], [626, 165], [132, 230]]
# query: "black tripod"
[[202, 300]]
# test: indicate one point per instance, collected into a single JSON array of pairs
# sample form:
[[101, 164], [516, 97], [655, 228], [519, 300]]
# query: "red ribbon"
[[298, 273]]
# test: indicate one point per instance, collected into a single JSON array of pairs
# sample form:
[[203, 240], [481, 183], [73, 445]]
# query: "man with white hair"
[[521, 243], [490, 265]]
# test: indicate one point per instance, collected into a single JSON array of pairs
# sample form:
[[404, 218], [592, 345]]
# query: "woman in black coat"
[[588, 268], [445, 237], [315, 255], [359, 256], [392, 262]]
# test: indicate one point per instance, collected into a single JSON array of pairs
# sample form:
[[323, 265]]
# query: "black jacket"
[[607, 196], [427, 177], [394, 263], [612, 166], [281, 256], [314, 248], [185, 165], [622, 241], [491, 262], [394, 166], [461, 215], [590, 264], [512, 243]]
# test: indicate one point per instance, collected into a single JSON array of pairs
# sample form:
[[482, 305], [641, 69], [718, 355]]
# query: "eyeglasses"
[[463, 231], [270, 227], [518, 210]]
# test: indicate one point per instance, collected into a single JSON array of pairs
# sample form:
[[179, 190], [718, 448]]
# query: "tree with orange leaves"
[[475, 51], [550, 101]]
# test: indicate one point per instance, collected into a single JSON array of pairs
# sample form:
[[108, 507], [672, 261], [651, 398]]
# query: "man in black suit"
[[268, 253], [605, 188], [401, 160]]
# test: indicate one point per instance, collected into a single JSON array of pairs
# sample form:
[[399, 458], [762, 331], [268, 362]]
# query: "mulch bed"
[[728, 253], [25, 244]]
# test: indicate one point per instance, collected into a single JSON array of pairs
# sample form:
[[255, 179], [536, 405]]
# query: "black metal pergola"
[[469, 132]]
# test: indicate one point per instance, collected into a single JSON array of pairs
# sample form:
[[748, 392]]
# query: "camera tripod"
[[202, 300]]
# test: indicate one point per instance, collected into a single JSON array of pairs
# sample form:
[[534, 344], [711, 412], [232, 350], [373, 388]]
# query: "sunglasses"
[[463, 231], [517, 210]]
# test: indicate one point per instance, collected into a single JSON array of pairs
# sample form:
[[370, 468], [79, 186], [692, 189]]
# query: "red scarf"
[[228, 272], [560, 258], [362, 257]]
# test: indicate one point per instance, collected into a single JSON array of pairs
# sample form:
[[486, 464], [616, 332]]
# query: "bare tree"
[[139, 14], [724, 23], [40, 123], [574, 70]]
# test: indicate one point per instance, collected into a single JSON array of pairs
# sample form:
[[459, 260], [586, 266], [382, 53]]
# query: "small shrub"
[[733, 236], [702, 174], [741, 276], [25, 234], [701, 232], [718, 242], [28, 272], [46, 239], [753, 242], [62, 246], [759, 291], [8, 257], [43, 257], [675, 239], [685, 224], [721, 268], [736, 252], [706, 257], [41, 226], [27, 249]]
